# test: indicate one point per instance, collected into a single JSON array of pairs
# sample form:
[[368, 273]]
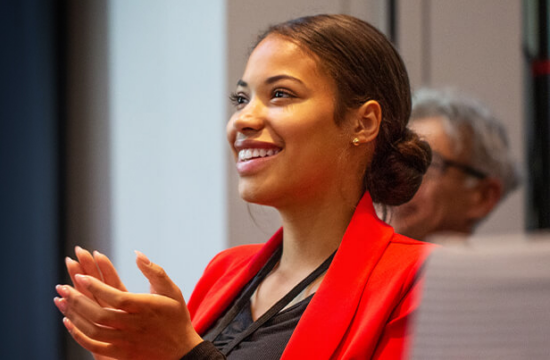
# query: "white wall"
[[146, 133], [167, 62]]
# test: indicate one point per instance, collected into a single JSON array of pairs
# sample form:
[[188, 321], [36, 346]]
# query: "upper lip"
[[254, 144]]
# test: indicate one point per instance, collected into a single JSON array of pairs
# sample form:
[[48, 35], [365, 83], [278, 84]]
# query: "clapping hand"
[[114, 324]]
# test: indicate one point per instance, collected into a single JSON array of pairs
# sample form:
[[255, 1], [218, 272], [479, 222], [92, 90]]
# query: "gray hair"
[[470, 123]]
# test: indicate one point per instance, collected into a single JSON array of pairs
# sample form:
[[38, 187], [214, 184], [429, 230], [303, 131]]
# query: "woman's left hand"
[[130, 326]]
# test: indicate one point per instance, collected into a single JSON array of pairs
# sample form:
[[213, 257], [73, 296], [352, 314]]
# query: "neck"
[[313, 232]]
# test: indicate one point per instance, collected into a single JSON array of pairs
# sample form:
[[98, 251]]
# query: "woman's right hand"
[[127, 325]]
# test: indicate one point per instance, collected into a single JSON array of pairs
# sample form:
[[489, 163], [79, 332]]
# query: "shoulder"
[[402, 239], [233, 257], [404, 260], [221, 274], [410, 247], [403, 266]]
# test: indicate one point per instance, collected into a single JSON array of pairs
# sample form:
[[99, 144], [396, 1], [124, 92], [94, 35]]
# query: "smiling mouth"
[[249, 154]]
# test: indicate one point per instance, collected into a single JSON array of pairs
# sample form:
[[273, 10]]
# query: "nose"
[[251, 118]]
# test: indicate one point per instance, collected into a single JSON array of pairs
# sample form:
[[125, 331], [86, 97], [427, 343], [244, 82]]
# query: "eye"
[[238, 100], [281, 93]]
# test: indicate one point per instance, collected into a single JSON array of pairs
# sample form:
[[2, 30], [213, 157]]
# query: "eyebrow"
[[276, 78], [272, 80]]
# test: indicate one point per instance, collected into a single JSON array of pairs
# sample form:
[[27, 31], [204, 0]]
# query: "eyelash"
[[285, 93], [237, 99]]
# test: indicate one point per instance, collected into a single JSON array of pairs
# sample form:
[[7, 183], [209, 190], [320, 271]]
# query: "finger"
[[87, 263], [158, 279], [74, 305], [116, 299], [91, 330], [96, 347], [74, 268], [110, 275], [89, 267]]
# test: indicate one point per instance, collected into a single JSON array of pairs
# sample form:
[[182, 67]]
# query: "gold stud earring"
[[356, 141]]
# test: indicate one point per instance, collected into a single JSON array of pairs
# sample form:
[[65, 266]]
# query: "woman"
[[319, 133]]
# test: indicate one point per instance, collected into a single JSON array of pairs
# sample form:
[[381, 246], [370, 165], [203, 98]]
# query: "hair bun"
[[396, 170]]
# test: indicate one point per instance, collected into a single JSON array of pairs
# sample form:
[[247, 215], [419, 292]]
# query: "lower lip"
[[252, 166]]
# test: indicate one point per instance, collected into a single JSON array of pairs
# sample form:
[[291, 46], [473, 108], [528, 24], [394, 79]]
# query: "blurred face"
[[443, 202], [284, 139]]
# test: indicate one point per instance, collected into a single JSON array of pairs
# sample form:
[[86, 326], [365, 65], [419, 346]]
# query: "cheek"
[[230, 132], [427, 199], [424, 191]]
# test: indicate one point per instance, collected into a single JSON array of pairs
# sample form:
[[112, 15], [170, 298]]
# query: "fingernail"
[[83, 280], [97, 253], [141, 256], [61, 304], [62, 290], [68, 324], [68, 260]]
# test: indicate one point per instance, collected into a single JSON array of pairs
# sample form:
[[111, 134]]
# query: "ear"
[[366, 123], [485, 198]]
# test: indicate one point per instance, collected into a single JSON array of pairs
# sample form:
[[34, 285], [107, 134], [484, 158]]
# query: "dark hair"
[[365, 66]]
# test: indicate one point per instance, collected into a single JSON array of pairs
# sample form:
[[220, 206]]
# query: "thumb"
[[160, 283]]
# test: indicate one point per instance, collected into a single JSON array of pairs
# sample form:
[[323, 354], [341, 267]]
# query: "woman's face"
[[286, 144]]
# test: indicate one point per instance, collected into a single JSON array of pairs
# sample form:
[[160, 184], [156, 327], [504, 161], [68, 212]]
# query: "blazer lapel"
[[227, 288], [331, 310]]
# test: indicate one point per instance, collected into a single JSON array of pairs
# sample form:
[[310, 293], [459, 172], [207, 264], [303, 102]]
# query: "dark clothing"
[[268, 342], [238, 336]]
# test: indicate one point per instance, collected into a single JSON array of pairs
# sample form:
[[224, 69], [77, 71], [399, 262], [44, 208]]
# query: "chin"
[[254, 196]]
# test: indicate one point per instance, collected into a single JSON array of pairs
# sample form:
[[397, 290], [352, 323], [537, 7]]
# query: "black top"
[[268, 341], [237, 336]]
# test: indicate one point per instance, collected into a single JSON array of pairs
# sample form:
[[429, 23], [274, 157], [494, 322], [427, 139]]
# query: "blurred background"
[[112, 132]]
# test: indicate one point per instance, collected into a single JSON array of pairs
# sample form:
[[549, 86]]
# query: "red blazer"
[[362, 307]]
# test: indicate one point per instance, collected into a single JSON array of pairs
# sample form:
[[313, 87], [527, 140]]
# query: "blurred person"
[[472, 169]]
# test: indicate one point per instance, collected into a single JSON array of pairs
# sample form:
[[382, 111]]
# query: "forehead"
[[276, 55], [432, 130]]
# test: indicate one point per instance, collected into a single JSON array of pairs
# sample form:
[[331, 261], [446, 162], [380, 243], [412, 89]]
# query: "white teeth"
[[247, 154]]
